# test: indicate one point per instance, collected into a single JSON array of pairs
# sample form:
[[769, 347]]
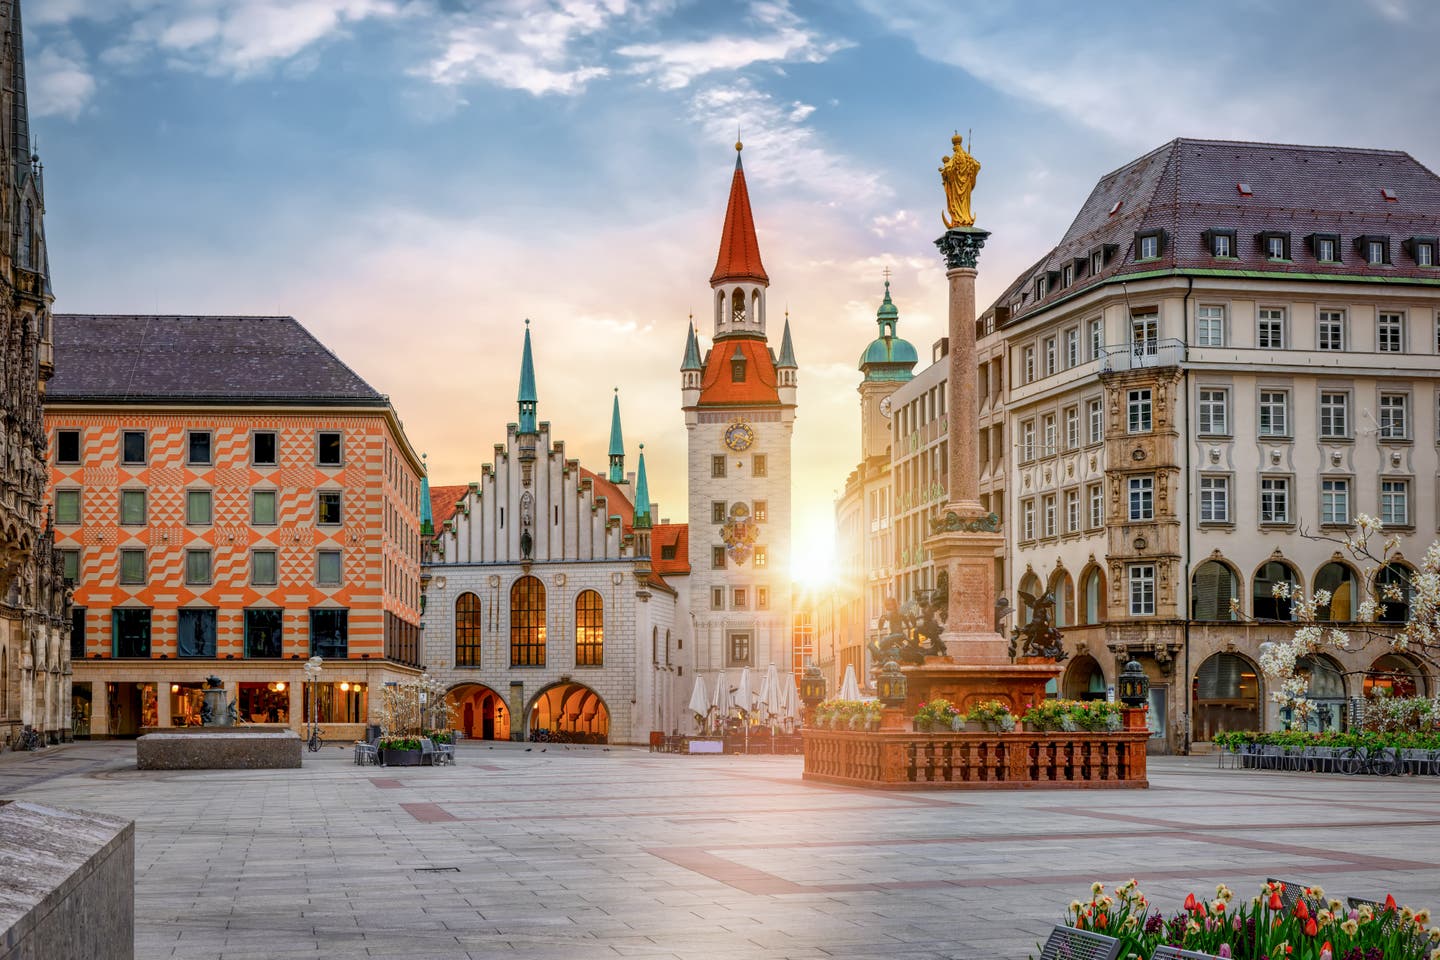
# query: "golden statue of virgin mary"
[[958, 173]]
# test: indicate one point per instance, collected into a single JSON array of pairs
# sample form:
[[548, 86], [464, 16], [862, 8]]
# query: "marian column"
[[964, 535]]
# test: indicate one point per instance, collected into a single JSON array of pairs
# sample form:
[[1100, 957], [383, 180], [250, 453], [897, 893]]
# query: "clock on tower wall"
[[739, 435]]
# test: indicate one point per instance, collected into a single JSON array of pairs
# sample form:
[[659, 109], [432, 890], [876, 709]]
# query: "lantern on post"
[[890, 685], [812, 686], [1133, 688]]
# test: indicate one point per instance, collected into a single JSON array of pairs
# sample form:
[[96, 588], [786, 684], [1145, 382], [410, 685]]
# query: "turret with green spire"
[[692, 351], [787, 349], [527, 398], [617, 443], [888, 357], [427, 516], [642, 494]]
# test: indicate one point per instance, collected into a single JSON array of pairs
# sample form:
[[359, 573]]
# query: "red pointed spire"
[[739, 257]]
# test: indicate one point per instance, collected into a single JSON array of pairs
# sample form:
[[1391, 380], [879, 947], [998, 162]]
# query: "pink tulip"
[[1225, 948]]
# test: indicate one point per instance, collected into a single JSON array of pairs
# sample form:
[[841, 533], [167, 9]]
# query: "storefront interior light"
[[280, 686], [174, 688], [344, 686]]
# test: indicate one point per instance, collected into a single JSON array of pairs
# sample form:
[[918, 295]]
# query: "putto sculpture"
[[912, 632]]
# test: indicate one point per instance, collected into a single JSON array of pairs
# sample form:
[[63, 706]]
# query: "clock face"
[[885, 407], [739, 435]]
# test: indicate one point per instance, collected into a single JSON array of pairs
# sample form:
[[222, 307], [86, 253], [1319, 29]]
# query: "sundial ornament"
[[739, 534], [739, 435]]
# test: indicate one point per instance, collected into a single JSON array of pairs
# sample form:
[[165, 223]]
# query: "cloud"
[[675, 65], [60, 82]]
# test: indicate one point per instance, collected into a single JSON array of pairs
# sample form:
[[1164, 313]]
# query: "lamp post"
[[812, 692], [891, 688], [1133, 690], [312, 677]]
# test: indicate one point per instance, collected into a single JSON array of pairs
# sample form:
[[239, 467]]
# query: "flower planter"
[[922, 726], [400, 758]]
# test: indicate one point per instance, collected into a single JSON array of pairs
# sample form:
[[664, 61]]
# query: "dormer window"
[[1375, 250], [1422, 250], [1220, 243], [1275, 244], [1149, 244], [1039, 288], [1067, 275], [1326, 247], [1097, 262], [737, 366]]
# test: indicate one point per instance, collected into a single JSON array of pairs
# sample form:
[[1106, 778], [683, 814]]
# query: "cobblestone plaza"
[[583, 852]]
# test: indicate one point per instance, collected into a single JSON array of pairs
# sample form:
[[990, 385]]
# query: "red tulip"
[[1390, 902], [1311, 927], [1190, 903], [1275, 903], [1101, 921], [1302, 911]]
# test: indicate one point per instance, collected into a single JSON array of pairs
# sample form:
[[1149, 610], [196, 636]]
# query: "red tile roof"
[[717, 384], [675, 535], [739, 257], [616, 503], [443, 501]]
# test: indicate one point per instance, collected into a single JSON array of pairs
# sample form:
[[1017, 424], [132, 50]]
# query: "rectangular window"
[[1067, 275], [1220, 245], [1028, 364], [1331, 333], [1027, 440], [1027, 520], [758, 466], [1394, 416], [1096, 497], [1335, 501], [1072, 511], [77, 633], [1214, 499], [330, 634], [1274, 500], [762, 557], [132, 508], [67, 506], [132, 447], [1138, 419], [327, 507], [1214, 412], [328, 568], [1325, 250], [1142, 498], [67, 446], [1375, 253], [760, 510], [71, 560], [1142, 589], [1274, 413], [1270, 329], [1047, 433], [1145, 334], [1334, 415], [131, 632], [1149, 247], [197, 566], [739, 599], [1275, 248], [762, 598], [197, 507], [263, 448], [717, 598], [739, 649], [1210, 326], [1095, 411], [264, 630], [327, 448], [717, 511], [717, 465], [1072, 347], [262, 508], [132, 567], [1390, 333], [262, 568], [199, 447], [1425, 254], [1395, 503], [1072, 427], [717, 558], [195, 633], [1052, 356], [1097, 338], [1047, 513]]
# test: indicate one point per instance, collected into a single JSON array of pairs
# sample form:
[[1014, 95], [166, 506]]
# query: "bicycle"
[[313, 744], [29, 740], [1381, 762]]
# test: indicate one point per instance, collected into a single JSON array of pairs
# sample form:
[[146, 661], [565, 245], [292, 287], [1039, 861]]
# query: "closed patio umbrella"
[[699, 701], [745, 693], [720, 701], [790, 699], [849, 688], [772, 695]]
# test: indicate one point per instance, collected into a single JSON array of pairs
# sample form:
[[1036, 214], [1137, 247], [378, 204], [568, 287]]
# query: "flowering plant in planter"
[[1314, 928], [1097, 715], [866, 715], [937, 713], [992, 713], [399, 743], [838, 714]]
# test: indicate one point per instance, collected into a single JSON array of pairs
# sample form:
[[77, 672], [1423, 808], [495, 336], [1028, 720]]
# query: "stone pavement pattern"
[[580, 853]]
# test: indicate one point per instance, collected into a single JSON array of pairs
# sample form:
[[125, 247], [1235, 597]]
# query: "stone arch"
[[1225, 693], [570, 712], [479, 710], [1030, 583], [1394, 675], [1213, 584], [1264, 605], [1343, 584], [1326, 691], [739, 309], [1092, 594], [1062, 587], [1399, 575], [1083, 679]]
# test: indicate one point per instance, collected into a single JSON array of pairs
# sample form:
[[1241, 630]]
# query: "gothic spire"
[[427, 515], [527, 398], [739, 257], [787, 349], [20, 109], [617, 443], [642, 494], [692, 351]]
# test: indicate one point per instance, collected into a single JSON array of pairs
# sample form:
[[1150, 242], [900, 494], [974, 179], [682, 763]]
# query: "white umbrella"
[[849, 688], [771, 694], [745, 693], [720, 700], [790, 697], [699, 702]]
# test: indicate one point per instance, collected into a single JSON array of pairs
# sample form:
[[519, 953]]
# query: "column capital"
[[961, 246]]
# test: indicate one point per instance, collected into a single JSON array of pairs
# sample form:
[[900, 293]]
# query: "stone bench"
[[218, 748]]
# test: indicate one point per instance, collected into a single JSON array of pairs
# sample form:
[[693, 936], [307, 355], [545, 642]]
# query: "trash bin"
[[372, 732]]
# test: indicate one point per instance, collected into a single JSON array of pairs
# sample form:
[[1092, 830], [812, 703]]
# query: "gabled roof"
[[264, 360], [663, 535], [1188, 187], [717, 384], [444, 500], [616, 503], [739, 257]]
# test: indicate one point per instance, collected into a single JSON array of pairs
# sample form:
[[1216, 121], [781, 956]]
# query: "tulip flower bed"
[[1275, 925], [1370, 740]]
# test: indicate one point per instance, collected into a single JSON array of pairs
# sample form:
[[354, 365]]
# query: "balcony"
[[1142, 354]]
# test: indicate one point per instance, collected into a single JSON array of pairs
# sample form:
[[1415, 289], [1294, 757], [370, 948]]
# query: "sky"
[[411, 179]]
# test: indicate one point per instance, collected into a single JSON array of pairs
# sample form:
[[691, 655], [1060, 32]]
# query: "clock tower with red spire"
[[739, 403]]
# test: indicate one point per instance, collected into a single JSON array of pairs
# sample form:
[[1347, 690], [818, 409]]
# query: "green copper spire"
[[642, 495], [527, 398], [888, 357], [888, 314], [427, 516], [617, 443], [787, 349], [692, 351]]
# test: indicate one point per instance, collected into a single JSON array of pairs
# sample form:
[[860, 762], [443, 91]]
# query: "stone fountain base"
[[218, 748], [966, 684]]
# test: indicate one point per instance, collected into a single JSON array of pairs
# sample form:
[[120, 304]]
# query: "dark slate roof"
[[198, 359], [1187, 187]]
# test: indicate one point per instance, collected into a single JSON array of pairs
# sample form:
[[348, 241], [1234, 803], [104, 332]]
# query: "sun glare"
[[813, 563]]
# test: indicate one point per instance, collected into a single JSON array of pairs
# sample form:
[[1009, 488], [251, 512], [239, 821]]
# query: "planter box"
[[400, 758]]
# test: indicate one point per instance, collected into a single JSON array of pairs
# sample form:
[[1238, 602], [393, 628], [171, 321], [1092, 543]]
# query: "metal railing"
[[1142, 354]]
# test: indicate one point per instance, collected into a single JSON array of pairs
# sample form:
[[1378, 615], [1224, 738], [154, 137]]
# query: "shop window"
[[195, 633], [131, 632], [264, 628], [330, 634]]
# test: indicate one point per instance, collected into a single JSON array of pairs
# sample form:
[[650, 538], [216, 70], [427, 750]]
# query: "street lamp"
[[890, 685], [812, 686], [1134, 686]]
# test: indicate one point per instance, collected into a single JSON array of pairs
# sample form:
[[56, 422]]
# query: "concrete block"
[[218, 748]]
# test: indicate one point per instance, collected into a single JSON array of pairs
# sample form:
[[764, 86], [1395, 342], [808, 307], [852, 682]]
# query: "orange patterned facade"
[[271, 537]]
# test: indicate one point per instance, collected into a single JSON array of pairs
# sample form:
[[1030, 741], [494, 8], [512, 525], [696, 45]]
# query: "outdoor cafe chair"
[[1292, 893], [1069, 943], [427, 752], [1175, 953]]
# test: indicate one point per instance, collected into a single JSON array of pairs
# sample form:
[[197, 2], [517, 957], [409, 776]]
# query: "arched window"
[[667, 648], [1226, 694], [737, 306], [1211, 590], [1393, 589], [1092, 590], [1025, 610], [467, 630], [755, 306], [1265, 605], [1063, 589], [1339, 579], [655, 645], [27, 235], [720, 307], [527, 623], [589, 630], [1392, 675]]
